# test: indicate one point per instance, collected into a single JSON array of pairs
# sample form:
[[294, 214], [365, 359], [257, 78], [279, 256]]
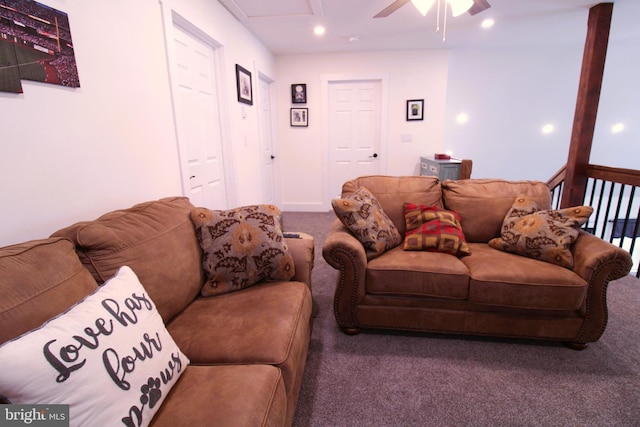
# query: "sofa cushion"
[[418, 274], [393, 191], [109, 358], [503, 279], [546, 235], [268, 323], [433, 229], [38, 280], [483, 203], [241, 246], [234, 395], [361, 213], [156, 239]]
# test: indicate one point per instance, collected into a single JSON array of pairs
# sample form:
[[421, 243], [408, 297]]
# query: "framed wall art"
[[299, 93], [243, 83], [415, 109], [36, 45], [299, 117]]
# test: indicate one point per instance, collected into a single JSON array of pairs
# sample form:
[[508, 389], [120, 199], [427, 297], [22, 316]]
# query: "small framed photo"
[[415, 109], [299, 93], [299, 117], [243, 83]]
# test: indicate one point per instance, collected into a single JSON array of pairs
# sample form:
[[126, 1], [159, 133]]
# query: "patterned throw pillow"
[[241, 247], [430, 228], [362, 214], [547, 235]]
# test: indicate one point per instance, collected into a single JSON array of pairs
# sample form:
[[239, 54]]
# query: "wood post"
[[584, 121]]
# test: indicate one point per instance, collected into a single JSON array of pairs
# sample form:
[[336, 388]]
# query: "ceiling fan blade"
[[391, 8], [479, 6]]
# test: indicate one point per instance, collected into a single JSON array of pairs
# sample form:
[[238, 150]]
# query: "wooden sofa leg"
[[578, 346], [350, 331]]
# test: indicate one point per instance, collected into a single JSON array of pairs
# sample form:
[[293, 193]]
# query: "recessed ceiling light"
[[462, 118], [617, 128], [488, 23], [546, 129], [319, 30]]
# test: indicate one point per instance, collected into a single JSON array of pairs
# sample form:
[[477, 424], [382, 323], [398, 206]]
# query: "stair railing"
[[614, 194]]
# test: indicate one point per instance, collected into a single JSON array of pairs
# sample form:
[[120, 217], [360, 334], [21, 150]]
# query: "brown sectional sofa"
[[247, 348], [489, 292]]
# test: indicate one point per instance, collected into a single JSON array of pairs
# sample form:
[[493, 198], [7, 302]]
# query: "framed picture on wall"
[[243, 83], [415, 109], [299, 117], [299, 93]]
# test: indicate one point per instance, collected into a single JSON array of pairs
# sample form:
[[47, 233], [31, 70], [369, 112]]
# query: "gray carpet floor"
[[402, 379]]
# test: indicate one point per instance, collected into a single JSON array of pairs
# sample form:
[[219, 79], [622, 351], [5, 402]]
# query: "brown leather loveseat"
[[247, 348], [489, 292]]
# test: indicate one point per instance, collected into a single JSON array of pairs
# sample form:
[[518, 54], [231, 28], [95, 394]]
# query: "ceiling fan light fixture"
[[458, 7], [423, 6]]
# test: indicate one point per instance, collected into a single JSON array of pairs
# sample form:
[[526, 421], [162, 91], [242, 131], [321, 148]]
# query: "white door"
[[354, 131], [198, 120], [268, 156]]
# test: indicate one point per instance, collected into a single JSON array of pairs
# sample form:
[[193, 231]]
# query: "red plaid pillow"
[[430, 228]]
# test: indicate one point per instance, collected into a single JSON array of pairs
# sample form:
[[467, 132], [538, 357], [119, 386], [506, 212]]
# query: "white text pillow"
[[109, 357]]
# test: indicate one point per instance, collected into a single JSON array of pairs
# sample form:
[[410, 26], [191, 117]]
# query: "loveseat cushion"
[[38, 280], [234, 395], [483, 203], [503, 279], [418, 274], [268, 323], [156, 239], [393, 191]]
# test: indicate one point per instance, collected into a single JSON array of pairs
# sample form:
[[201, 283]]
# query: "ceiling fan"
[[477, 7]]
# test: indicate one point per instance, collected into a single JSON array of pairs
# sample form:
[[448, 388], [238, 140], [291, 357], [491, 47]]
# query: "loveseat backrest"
[[156, 239], [483, 203], [39, 279], [393, 191]]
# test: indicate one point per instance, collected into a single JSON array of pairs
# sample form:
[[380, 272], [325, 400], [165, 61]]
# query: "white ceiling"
[[286, 26]]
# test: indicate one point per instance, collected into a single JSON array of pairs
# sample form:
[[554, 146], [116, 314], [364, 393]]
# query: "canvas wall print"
[[35, 44]]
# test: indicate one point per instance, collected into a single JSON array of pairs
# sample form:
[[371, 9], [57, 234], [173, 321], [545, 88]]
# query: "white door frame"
[[328, 79], [170, 18]]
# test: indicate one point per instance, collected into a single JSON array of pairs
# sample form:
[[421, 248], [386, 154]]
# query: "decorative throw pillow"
[[362, 214], [430, 228], [241, 247], [109, 357], [547, 235]]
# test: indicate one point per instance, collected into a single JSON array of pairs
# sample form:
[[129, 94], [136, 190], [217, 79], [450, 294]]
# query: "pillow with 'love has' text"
[[109, 357]]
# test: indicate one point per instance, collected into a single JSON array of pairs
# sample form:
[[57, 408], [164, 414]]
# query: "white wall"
[[509, 93], [72, 154], [412, 74]]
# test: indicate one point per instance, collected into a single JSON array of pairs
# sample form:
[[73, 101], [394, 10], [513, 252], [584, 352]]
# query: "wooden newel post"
[[584, 121]]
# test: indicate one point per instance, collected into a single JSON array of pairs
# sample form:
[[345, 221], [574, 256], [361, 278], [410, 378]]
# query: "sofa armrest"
[[303, 254], [346, 254], [597, 262]]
